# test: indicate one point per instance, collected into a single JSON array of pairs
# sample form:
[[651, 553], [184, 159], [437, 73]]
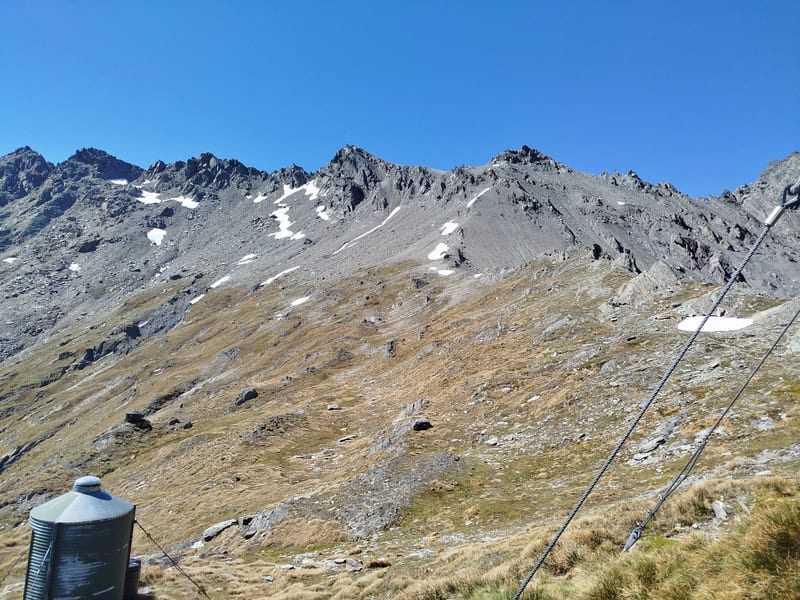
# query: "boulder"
[[213, 531], [245, 396]]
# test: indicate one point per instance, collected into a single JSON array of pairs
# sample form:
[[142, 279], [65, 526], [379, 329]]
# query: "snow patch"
[[284, 225], [186, 202], [449, 228], [149, 197], [323, 214], [281, 274], [714, 324], [156, 235], [300, 301], [259, 199], [287, 191], [10, 259], [475, 199], [621, 203], [439, 252], [478, 275], [247, 259], [366, 233], [220, 281], [445, 272], [75, 267], [119, 181], [194, 300], [310, 189]]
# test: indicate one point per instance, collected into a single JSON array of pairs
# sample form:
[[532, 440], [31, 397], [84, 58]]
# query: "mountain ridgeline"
[[80, 237]]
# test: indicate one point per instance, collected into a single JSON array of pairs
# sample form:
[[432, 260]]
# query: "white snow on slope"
[[366, 233], [186, 202], [311, 190], [281, 274], [322, 214], [438, 252], [156, 236], [259, 199], [300, 301], [621, 203], [75, 267], [10, 259], [149, 197], [445, 272], [449, 228], [247, 259], [471, 202], [220, 281], [287, 191], [284, 225], [714, 324], [119, 181], [194, 300]]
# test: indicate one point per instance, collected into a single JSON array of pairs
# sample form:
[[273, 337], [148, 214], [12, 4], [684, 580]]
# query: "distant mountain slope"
[[79, 237]]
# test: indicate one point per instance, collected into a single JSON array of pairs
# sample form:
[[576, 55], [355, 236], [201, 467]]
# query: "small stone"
[[347, 438], [198, 544], [269, 579], [285, 567], [187, 425], [421, 424], [353, 564], [719, 510], [764, 423], [174, 422], [492, 441], [334, 406]]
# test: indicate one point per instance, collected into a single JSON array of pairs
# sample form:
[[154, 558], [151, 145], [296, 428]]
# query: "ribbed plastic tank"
[[80, 545]]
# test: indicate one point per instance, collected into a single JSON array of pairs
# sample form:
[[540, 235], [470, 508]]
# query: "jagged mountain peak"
[[21, 172], [93, 162], [526, 155], [351, 161]]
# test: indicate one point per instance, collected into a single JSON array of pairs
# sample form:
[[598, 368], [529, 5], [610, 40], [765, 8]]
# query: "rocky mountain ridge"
[[74, 236]]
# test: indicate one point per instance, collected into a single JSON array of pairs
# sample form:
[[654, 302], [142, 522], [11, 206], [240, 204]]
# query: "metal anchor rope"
[[790, 199]]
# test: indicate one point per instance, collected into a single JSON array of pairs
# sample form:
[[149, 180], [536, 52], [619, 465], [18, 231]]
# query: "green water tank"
[[80, 545]]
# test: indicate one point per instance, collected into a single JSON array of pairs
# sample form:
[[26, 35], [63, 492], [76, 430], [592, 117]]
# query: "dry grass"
[[478, 351]]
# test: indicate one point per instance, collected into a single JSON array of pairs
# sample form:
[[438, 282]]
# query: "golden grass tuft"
[[305, 534]]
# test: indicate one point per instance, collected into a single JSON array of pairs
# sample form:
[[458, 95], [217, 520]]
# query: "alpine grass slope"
[[388, 381]]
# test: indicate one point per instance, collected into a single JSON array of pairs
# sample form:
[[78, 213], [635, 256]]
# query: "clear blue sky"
[[703, 94]]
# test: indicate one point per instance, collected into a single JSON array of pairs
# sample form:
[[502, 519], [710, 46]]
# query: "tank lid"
[[85, 503], [86, 484]]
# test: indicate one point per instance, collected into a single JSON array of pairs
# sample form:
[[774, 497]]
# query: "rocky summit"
[[384, 381]]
